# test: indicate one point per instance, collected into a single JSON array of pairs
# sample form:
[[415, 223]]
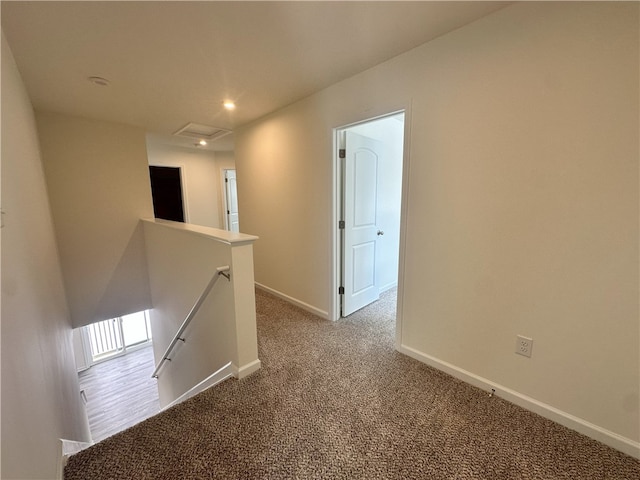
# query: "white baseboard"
[[245, 370], [213, 379], [612, 439], [388, 286], [68, 448], [298, 303]]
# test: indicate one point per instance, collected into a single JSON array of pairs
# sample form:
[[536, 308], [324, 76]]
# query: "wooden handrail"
[[192, 313]]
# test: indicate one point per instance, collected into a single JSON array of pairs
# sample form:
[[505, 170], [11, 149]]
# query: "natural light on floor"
[[116, 335]]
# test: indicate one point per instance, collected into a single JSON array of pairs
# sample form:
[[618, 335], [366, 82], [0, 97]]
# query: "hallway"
[[336, 400], [120, 393]]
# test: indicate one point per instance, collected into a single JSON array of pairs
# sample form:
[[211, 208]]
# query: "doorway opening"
[[166, 192], [368, 198], [231, 217], [114, 359]]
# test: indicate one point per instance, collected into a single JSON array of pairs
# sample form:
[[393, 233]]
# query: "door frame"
[[336, 213], [225, 202]]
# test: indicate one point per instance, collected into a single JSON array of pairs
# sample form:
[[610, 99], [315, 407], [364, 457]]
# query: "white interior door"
[[231, 199], [361, 233]]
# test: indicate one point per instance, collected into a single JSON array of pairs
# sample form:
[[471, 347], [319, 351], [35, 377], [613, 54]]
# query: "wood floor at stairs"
[[120, 393]]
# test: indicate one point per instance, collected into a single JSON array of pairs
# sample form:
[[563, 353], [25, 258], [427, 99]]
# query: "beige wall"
[[522, 211], [40, 393], [98, 181], [283, 166]]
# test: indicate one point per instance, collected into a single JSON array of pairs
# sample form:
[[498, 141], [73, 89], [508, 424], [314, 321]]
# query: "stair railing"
[[192, 313]]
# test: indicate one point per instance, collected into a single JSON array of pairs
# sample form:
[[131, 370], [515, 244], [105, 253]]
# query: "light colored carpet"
[[336, 401]]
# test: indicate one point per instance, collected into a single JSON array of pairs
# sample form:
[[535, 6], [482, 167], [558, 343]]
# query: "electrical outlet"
[[524, 345]]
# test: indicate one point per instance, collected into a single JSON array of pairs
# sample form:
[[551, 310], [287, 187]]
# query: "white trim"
[[388, 286], [212, 380], [336, 215], [68, 448], [225, 200], [87, 358], [230, 238], [612, 439], [246, 370], [299, 303], [404, 209]]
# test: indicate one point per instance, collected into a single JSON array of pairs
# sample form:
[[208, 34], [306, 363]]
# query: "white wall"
[[522, 204], [201, 181], [40, 393], [98, 182]]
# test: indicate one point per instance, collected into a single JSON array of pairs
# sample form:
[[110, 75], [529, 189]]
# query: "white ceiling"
[[171, 63]]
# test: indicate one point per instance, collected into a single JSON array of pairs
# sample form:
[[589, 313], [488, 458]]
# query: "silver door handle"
[[380, 232]]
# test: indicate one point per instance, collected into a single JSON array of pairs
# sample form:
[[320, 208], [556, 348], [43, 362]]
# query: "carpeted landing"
[[334, 400]]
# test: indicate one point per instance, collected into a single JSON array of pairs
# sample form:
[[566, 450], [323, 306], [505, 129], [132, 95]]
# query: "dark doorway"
[[166, 190]]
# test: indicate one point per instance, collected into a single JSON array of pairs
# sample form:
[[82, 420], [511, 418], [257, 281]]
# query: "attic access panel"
[[201, 132]]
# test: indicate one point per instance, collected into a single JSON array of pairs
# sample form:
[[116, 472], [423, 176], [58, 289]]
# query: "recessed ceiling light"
[[202, 143], [103, 82], [229, 105]]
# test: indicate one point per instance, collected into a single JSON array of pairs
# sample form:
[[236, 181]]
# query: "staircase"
[[204, 330]]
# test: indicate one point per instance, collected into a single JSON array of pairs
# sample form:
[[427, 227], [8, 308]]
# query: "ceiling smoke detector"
[[202, 132]]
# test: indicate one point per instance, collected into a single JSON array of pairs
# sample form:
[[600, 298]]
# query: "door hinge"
[[340, 290], [226, 180], [342, 153], [341, 224]]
